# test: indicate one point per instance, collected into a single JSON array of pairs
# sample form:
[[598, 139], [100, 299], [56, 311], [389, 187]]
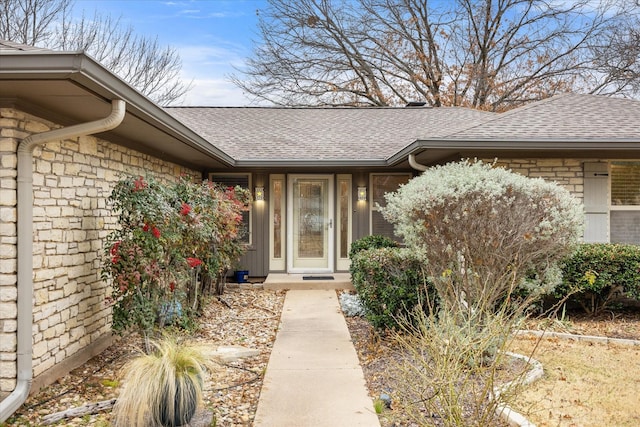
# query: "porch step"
[[314, 281]]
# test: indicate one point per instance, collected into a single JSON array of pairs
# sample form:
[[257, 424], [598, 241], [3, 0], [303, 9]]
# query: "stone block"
[[8, 213], [13, 133], [10, 279], [8, 342], [8, 326], [8, 310], [8, 266], [9, 161], [64, 340], [8, 251], [8, 145], [43, 166], [36, 127], [44, 274], [8, 197], [45, 363], [70, 288], [8, 294], [41, 296], [79, 271], [7, 369], [233, 353], [7, 230], [56, 295], [39, 349], [48, 333], [7, 385]]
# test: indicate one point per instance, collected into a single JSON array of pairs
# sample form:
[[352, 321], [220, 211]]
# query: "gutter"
[[416, 165], [592, 146], [25, 245]]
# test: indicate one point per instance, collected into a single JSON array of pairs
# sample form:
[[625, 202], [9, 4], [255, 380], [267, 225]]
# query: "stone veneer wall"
[[568, 173], [71, 181]]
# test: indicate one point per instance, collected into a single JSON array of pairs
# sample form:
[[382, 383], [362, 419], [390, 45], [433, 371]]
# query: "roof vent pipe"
[[416, 165], [25, 245]]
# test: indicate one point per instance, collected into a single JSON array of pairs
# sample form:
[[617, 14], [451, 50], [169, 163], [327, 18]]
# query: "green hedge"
[[391, 283], [371, 242], [598, 272]]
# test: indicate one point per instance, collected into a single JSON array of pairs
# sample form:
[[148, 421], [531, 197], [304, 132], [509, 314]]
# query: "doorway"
[[310, 222]]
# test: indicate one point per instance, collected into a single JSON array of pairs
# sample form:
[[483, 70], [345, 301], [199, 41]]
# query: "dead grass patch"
[[584, 384]]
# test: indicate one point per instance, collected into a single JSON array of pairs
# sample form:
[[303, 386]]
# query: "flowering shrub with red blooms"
[[193, 262], [185, 209], [173, 240]]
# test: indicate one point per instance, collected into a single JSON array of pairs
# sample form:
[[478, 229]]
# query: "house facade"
[[69, 130], [322, 172]]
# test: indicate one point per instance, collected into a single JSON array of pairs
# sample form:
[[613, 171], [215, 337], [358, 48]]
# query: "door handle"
[[330, 223]]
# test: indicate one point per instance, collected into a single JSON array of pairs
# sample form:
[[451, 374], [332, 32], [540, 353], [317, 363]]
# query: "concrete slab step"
[[276, 281]]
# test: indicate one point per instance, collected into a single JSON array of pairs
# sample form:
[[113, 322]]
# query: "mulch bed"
[[249, 317]]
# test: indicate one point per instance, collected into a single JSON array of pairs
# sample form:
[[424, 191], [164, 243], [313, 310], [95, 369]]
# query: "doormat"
[[317, 277]]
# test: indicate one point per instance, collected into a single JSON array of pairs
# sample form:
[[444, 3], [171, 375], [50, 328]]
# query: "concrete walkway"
[[313, 378]]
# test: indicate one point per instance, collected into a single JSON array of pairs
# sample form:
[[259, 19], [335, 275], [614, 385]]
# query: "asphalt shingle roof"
[[570, 117], [273, 133]]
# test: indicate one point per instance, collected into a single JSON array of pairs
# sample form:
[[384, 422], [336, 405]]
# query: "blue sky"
[[211, 36]]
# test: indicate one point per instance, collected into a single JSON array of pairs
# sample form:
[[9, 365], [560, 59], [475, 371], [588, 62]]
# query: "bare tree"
[[142, 62], [486, 54], [30, 21], [618, 60]]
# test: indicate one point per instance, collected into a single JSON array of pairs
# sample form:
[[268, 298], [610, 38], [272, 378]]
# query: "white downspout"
[[25, 245], [416, 165]]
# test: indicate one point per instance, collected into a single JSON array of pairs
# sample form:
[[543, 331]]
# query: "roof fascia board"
[[546, 144], [310, 163], [93, 77]]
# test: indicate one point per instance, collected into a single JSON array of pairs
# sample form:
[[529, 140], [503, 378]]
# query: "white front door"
[[310, 223]]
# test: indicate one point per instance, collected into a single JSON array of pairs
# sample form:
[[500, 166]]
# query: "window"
[[343, 221], [277, 210], [624, 221], [237, 179], [382, 184]]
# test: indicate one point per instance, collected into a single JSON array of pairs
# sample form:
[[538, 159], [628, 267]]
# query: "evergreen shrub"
[[371, 242], [391, 283], [597, 273]]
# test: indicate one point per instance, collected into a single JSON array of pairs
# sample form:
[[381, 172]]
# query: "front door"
[[310, 222]]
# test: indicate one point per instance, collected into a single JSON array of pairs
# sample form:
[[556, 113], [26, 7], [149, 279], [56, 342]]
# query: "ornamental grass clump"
[[161, 388], [450, 368]]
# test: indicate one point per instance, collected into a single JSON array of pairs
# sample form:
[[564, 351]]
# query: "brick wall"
[[566, 172], [71, 181]]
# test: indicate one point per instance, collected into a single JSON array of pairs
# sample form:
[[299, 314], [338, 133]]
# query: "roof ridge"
[[327, 107], [282, 107]]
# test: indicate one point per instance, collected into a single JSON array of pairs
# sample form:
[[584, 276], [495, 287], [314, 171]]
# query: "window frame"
[[618, 208], [372, 205], [277, 263], [343, 263]]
